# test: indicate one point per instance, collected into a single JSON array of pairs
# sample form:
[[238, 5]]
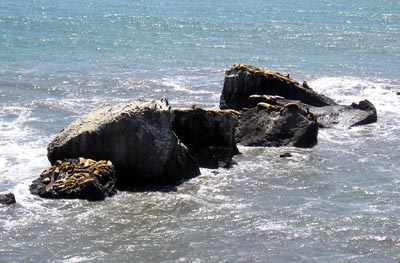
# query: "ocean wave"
[[345, 90]]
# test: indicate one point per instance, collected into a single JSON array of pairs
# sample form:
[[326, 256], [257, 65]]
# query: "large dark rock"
[[242, 81], [338, 116], [7, 199], [76, 178], [208, 134], [270, 125], [136, 136]]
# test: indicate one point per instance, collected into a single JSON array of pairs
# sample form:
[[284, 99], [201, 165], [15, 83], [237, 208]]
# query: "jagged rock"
[[271, 125], [208, 134], [7, 199], [339, 116], [242, 81], [76, 178], [136, 136]]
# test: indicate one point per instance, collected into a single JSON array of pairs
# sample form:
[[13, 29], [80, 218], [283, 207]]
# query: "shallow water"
[[336, 202]]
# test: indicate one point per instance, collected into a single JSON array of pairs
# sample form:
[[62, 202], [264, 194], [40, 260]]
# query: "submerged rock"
[[270, 125], [242, 81], [76, 178], [285, 155], [208, 134], [7, 199], [136, 136]]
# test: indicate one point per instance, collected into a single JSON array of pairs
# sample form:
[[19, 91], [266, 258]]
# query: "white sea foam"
[[183, 84], [23, 152], [345, 90]]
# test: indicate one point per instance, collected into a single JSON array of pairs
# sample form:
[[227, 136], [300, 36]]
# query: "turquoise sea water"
[[336, 202]]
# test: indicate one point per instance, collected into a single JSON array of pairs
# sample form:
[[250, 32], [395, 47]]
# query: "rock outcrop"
[[208, 134], [242, 81], [136, 137], [335, 116], [249, 89], [271, 125], [7, 199], [76, 178]]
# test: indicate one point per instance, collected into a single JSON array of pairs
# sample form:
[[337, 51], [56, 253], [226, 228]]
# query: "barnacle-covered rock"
[[76, 178]]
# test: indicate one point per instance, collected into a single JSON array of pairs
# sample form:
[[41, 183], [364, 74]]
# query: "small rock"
[[285, 155], [7, 199], [76, 178], [398, 93]]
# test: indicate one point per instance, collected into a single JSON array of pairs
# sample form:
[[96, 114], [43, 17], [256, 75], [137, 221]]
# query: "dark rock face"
[[7, 199], [346, 116], [136, 136], [242, 81], [208, 134], [268, 125], [338, 116], [246, 86], [76, 178]]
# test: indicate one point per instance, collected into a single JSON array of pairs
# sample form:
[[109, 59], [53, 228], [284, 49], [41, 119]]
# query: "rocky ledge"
[[242, 81], [333, 116], [270, 125], [76, 178]]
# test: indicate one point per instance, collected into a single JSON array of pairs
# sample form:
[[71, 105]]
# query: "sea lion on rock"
[[76, 178]]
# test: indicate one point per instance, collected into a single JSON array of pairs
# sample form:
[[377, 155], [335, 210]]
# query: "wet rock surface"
[[208, 134], [271, 125], [342, 116], [7, 199], [136, 137], [335, 116], [76, 178]]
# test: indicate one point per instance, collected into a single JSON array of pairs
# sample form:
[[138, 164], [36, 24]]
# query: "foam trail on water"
[[23, 151], [345, 90]]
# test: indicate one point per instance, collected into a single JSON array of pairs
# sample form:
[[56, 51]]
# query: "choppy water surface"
[[336, 202]]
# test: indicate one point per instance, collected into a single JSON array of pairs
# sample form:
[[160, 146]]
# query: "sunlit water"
[[336, 202]]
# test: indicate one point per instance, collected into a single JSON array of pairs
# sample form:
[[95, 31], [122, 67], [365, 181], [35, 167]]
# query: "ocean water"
[[336, 202]]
